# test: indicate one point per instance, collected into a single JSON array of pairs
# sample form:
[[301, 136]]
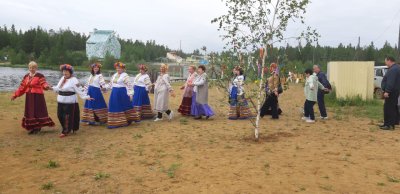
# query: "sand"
[[349, 155]]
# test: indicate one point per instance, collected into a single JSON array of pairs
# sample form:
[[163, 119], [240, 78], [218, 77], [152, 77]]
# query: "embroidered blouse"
[[69, 86], [32, 84], [142, 80], [120, 81]]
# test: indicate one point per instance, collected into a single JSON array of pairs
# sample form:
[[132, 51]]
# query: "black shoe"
[[207, 117], [381, 125], [386, 127], [197, 118]]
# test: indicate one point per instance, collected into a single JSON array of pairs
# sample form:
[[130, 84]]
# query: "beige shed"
[[352, 78]]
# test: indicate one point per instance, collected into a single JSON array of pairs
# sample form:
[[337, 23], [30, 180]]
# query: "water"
[[10, 78]]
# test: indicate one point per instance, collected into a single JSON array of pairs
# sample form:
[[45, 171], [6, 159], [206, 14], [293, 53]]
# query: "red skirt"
[[185, 107], [36, 115]]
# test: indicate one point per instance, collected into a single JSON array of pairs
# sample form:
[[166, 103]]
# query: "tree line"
[[51, 48]]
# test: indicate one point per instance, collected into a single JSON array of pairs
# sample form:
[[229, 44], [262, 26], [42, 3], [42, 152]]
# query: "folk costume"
[[120, 109], [95, 111], [141, 101], [162, 89], [200, 105], [186, 104], [239, 108], [36, 115], [68, 108]]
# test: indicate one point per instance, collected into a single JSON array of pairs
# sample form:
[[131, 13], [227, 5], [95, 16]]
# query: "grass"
[[392, 179], [171, 171], [183, 121], [101, 175], [372, 109], [52, 164], [138, 136], [47, 186]]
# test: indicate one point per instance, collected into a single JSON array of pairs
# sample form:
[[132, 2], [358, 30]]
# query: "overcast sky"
[[169, 21]]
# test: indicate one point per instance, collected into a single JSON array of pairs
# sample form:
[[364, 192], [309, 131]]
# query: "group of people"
[[129, 101]]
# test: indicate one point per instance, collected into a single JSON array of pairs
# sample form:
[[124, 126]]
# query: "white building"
[[102, 42]]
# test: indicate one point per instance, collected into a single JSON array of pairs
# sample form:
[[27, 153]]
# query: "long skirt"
[[95, 110], [186, 104], [120, 109], [35, 116], [141, 103], [239, 108], [68, 115], [271, 107], [198, 109]]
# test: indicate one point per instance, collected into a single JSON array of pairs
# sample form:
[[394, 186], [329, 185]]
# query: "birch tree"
[[258, 24]]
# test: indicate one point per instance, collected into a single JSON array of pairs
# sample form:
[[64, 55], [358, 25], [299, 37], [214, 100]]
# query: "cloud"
[[169, 22]]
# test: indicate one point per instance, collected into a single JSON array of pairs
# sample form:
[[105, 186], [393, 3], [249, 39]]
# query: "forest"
[[51, 48]]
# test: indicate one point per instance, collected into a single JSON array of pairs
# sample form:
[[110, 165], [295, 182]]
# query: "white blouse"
[[238, 82], [95, 81], [69, 86], [142, 80], [120, 81], [199, 81]]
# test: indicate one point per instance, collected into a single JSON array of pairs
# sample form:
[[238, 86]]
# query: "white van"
[[380, 71]]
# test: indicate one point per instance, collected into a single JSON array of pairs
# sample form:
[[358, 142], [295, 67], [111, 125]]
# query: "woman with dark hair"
[[200, 105], [32, 85], [186, 104], [310, 91], [239, 108], [95, 111], [141, 101], [120, 109], [68, 108]]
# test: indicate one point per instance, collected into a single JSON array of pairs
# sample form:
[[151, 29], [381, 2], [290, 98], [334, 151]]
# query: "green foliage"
[[52, 164], [52, 48], [101, 175], [372, 109], [47, 186]]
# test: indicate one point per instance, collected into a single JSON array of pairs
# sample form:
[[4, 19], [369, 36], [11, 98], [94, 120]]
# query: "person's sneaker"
[[171, 115], [310, 121], [305, 118], [323, 118], [157, 119]]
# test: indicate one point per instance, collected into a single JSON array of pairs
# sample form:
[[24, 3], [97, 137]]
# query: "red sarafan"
[[36, 115]]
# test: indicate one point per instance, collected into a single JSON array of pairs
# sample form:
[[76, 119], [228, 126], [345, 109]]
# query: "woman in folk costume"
[[95, 111], [200, 105], [120, 109], [186, 104], [162, 89], [68, 108], [272, 90], [239, 108], [141, 101], [32, 85]]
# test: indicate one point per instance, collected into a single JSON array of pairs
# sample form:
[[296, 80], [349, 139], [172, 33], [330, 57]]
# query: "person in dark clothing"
[[391, 87], [321, 94]]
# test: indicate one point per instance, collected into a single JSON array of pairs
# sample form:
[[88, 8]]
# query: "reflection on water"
[[10, 78]]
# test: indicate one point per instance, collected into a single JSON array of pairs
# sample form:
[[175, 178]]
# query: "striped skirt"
[[239, 108], [120, 109], [141, 103], [95, 110]]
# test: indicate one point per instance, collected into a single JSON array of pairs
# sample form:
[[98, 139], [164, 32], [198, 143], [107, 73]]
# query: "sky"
[[189, 21]]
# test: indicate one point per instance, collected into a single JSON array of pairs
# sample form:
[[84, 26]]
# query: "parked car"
[[380, 71]]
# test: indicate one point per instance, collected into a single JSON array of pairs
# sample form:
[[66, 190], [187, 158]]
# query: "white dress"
[[162, 89]]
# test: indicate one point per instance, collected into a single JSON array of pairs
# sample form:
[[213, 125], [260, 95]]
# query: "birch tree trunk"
[[257, 129]]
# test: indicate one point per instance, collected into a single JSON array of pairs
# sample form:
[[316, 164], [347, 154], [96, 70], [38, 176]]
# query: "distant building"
[[102, 42]]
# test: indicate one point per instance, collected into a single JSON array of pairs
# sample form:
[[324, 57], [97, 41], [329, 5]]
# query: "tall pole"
[[398, 46]]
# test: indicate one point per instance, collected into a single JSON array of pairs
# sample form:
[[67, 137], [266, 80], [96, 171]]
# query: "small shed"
[[352, 78], [102, 42]]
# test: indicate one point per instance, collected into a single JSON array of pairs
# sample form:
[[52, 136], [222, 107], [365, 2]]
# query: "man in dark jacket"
[[321, 94], [391, 88]]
